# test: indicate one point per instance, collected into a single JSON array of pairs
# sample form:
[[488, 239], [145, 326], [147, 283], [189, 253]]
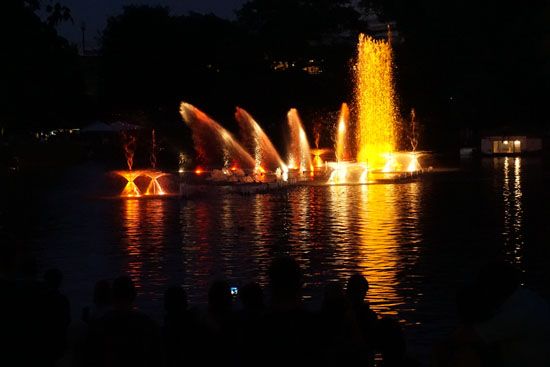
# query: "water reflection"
[[131, 240], [142, 238], [375, 229], [378, 257], [513, 210]]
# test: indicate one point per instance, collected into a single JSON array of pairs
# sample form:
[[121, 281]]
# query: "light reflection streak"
[[132, 228], [513, 210], [378, 257], [143, 225]]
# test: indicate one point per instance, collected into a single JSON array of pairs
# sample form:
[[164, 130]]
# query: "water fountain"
[[365, 152], [131, 190], [266, 156], [377, 122], [299, 154], [213, 143]]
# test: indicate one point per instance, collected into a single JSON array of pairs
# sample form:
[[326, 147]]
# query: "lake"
[[416, 242]]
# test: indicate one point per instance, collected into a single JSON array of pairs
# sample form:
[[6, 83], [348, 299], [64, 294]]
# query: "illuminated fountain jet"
[[131, 189], [154, 187], [375, 101], [317, 157], [258, 143], [342, 146], [213, 143], [299, 154], [375, 143]]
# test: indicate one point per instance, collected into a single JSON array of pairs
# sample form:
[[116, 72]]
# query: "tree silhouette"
[[41, 84]]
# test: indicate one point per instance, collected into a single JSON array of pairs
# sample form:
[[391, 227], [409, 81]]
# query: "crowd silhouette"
[[501, 323]]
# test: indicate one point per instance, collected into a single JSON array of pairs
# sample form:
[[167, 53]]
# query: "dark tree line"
[[459, 63], [473, 63], [40, 80]]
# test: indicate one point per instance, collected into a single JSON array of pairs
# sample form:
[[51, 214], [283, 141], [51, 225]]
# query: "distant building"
[[510, 144]]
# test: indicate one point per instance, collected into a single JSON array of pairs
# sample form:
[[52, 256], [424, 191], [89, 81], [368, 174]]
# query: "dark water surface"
[[415, 242]]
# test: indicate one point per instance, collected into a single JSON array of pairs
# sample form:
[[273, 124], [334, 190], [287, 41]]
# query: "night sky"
[[95, 13]]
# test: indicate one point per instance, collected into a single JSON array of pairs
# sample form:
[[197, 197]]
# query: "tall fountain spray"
[[342, 148], [257, 142], [299, 154], [213, 143], [153, 157], [130, 190], [375, 103]]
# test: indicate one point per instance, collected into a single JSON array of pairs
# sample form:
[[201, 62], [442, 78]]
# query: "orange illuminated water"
[[131, 189], [417, 242], [213, 143], [129, 148], [342, 147], [317, 157], [154, 187], [375, 102], [258, 143], [299, 154]]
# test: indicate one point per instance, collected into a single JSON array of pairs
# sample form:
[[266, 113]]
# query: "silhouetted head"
[[285, 278], [124, 291], [252, 297], [219, 297], [175, 300], [53, 278], [102, 293], [357, 288]]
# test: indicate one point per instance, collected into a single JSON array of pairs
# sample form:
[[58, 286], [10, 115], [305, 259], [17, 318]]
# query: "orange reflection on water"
[[513, 209], [131, 239], [144, 223], [378, 255]]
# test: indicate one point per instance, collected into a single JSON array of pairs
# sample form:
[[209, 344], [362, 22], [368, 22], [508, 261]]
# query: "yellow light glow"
[[299, 151], [342, 145], [375, 100], [154, 188], [505, 142], [517, 142], [131, 189]]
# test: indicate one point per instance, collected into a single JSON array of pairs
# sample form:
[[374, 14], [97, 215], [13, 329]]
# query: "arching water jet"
[[213, 143]]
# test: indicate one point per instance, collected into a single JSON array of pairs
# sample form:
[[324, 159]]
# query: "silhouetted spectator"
[[252, 300], [290, 331], [181, 334], [10, 328], [342, 341], [391, 343], [57, 316], [220, 325], [102, 302], [356, 291], [509, 327], [124, 336], [31, 316]]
